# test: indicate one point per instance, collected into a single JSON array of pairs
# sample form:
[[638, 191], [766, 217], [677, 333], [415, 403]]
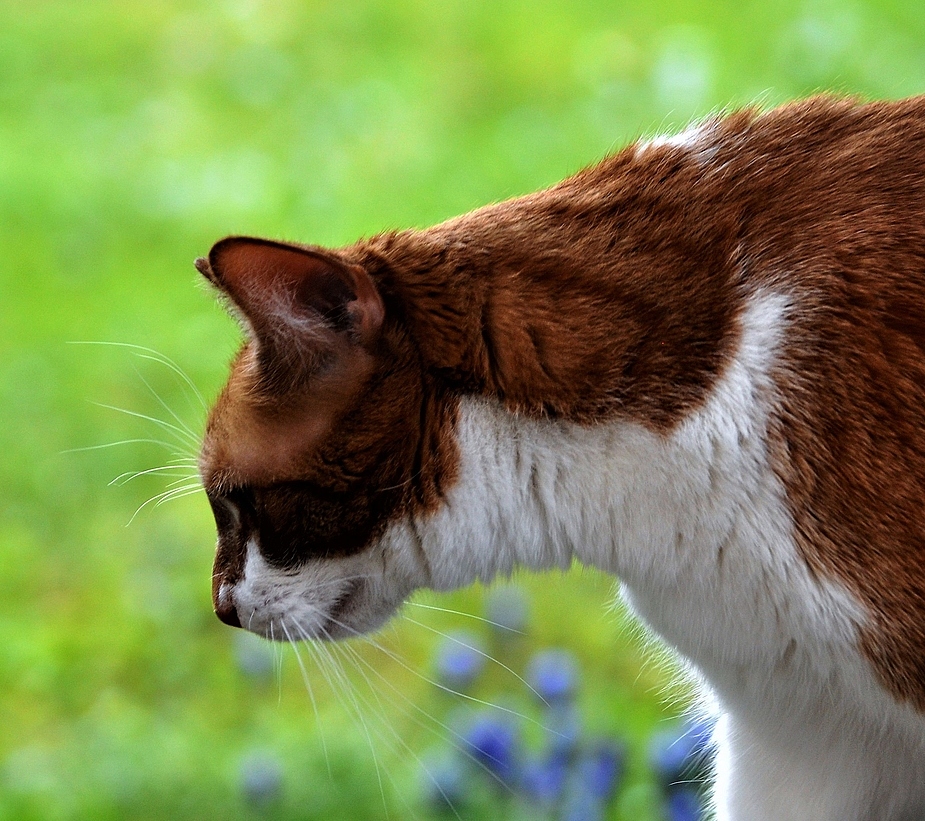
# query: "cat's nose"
[[224, 606]]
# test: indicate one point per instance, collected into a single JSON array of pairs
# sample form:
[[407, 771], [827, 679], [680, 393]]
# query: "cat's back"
[[828, 202], [822, 180], [828, 187]]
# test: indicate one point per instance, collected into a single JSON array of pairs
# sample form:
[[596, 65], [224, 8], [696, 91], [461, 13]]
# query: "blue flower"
[[460, 660], [681, 756], [493, 743], [684, 805], [601, 769], [554, 675], [543, 780], [261, 778], [581, 806], [562, 723]]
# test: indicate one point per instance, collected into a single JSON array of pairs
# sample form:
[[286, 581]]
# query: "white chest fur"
[[694, 516], [696, 526]]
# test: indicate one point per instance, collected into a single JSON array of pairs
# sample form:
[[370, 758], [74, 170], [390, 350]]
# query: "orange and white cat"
[[699, 365]]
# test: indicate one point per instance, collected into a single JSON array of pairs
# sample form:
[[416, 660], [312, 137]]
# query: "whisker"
[[183, 436], [323, 657], [322, 584], [160, 442], [311, 694], [349, 692], [166, 470], [461, 747], [380, 710], [347, 651], [143, 352], [160, 498], [322, 662], [179, 493], [278, 667], [395, 743], [179, 372], [330, 669], [193, 482], [402, 663], [403, 483], [418, 722], [466, 615], [394, 740], [185, 477], [483, 654], [166, 407]]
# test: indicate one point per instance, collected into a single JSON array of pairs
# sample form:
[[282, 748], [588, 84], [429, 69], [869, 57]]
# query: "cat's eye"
[[240, 497], [231, 507]]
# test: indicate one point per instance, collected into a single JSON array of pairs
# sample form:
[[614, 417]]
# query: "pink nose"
[[224, 606]]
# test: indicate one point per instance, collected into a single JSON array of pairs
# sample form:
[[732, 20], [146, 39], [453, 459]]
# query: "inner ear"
[[309, 289]]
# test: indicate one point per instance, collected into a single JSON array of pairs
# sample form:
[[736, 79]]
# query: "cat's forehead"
[[257, 437]]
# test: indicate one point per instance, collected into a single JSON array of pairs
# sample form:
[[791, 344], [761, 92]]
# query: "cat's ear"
[[295, 296]]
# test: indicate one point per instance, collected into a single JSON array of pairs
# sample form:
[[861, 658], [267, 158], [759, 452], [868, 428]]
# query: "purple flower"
[[562, 723], [543, 780], [460, 660], [582, 806], [554, 675], [601, 769], [261, 778], [684, 805], [493, 743], [682, 755]]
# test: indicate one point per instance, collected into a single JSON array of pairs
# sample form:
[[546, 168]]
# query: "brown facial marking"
[[327, 427], [258, 439]]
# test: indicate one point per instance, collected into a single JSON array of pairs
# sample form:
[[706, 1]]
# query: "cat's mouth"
[[330, 626], [335, 626]]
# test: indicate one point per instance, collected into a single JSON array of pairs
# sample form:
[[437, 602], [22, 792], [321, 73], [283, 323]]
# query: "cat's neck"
[[597, 493], [571, 306]]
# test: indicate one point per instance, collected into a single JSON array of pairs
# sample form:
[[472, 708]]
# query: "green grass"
[[132, 135]]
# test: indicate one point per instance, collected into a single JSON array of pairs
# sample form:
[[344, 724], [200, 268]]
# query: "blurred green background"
[[133, 135]]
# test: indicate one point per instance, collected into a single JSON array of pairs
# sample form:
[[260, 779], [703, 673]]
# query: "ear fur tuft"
[[295, 298], [202, 265], [289, 282]]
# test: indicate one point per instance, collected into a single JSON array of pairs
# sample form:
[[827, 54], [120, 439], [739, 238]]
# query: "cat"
[[698, 365]]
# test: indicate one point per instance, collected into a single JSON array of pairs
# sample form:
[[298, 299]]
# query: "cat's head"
[[324, 436]]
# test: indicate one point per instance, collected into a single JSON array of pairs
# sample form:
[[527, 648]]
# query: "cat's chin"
[[351, 615]]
